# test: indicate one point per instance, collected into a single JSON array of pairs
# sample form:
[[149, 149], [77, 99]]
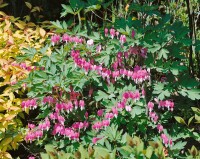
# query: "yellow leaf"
[[127, 7], [42, 41], [6, 141], [20, 25], [7, 78], [17, 101], [134, 18], [5, 67], [14, 108], [82, 18], [14, 145], [14, 76], [48, 53], [5, 124], [8, 103], [7, 91], [3, 61], [2, 129], [7, 155], [6, 28], [42, 32], [36, 9], [9, 117], [1, 116], [18, 138], [18, 34], [10, 40], [27, 18], [21, 115], [4, 149], [28, 5], [11, 96], [2, 13], [12, 18], [7, 22], [30, 24], [27, 110], [2, 108], [3, 83]]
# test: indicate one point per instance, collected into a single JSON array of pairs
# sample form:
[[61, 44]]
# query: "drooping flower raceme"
[[150, 106], [112, 33], [106, 31], [123, 39], [100, 112], [139, 75], [95, 139], [67, 38], [117, 34], [31, 104], [55, 39], [160, 128], [166, 104]]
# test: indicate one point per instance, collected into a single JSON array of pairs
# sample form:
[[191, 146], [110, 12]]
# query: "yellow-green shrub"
[[14, 35]]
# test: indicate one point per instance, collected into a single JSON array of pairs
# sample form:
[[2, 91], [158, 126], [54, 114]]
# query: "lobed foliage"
[[98, 73]]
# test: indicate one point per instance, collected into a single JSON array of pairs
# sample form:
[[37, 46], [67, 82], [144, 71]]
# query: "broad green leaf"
[[43, 114], [57, 24], [101, 95], [179, 145], [127, 148], [174, 71], [180, 120], [149, 152], [28, 5], [68, 9], [100, 152], [196, 110], [44, 155], [194, 151], [163, 53], [3, 5], [164, 94], [140, 148], [137, 110], [93, 8], [107, 4], [194, 94], [189, 121], [155, 48], [84, 154], [108, 145], [197, 118]]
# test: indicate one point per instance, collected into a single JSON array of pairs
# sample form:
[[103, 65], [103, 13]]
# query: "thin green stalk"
[[79, 18], [191, 64]]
